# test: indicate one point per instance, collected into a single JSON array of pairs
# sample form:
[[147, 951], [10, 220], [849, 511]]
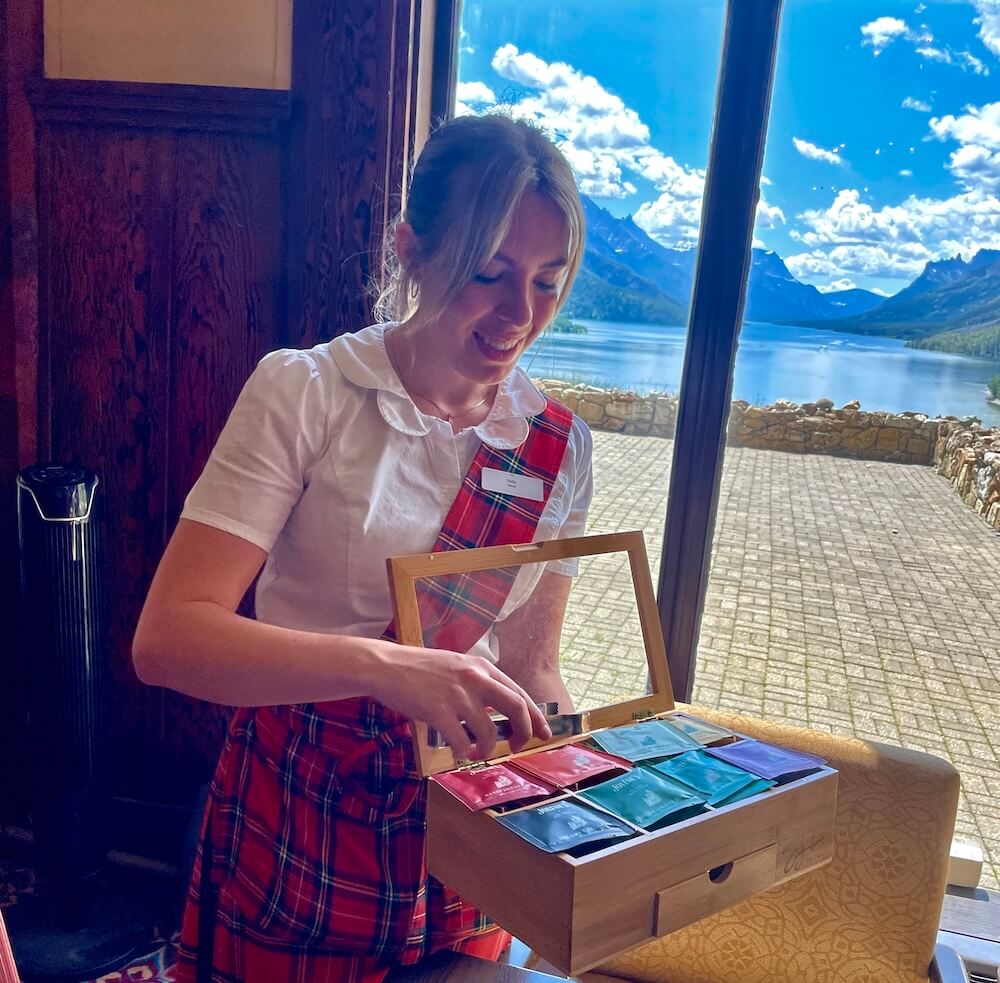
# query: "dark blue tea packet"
[[565, 826]]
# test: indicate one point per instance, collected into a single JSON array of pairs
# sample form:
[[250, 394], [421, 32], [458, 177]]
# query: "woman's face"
[[509, 302]]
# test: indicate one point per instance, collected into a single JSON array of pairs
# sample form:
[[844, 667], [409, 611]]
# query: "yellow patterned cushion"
[[869, 916]]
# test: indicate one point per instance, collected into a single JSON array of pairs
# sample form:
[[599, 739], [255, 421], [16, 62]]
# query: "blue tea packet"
[[706, 775], [767, 760], [645, 799], [645, 741], [565, 826]]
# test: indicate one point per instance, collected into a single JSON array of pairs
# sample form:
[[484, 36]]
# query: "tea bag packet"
[[645, 799], [492, 786], [568, 765], [767, 760], [697, 729], [754, 788], [565, 826], [644, 742], [706, 775]]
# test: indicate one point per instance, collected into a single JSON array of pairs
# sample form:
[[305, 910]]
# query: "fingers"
[[484, 733]]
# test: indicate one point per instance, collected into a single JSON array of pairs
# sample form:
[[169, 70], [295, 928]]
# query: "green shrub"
[[995, 386]]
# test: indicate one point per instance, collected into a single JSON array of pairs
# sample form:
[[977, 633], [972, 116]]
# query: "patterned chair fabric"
[[869, 916]]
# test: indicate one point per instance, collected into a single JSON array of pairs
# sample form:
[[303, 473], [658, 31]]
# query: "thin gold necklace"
[[445, 415]]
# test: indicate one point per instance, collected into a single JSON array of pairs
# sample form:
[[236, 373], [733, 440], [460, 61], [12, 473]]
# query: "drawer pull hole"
[[718, 874]]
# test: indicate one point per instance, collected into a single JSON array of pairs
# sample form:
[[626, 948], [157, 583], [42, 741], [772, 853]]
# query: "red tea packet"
[[568, 765], [491, 786]]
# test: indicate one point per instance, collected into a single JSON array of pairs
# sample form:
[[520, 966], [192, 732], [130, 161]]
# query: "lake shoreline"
[[776, 362]]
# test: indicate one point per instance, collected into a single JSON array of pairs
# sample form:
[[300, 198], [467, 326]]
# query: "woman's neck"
[[430, 381]]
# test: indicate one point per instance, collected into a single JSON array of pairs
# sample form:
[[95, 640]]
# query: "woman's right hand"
[[447, 689]]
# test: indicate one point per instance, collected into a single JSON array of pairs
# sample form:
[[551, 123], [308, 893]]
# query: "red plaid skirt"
[[354, 892], [311, 861]]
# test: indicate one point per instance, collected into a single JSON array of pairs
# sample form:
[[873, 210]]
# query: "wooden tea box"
[[579, 911]]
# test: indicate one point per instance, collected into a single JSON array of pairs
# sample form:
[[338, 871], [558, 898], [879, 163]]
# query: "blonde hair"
[[463, 192]]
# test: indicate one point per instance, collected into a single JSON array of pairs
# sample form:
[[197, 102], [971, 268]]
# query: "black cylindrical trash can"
[[81, 924], [64, 633]]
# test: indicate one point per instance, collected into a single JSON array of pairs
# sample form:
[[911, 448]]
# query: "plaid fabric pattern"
[[313, 839]]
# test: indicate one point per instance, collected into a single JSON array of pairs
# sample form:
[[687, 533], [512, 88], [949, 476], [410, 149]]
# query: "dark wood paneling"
[[350, 98]]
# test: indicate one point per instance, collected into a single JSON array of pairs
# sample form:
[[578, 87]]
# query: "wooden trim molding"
[[155, 106]]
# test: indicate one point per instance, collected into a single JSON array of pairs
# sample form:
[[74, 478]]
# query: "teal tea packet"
[[645, 741], [566, 826], [645, 799], [757, 786], [716, 780], [697, 729]]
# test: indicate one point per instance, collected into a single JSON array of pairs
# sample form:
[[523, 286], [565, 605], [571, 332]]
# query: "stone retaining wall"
[[812, 428], [962, 451], [969, 457]]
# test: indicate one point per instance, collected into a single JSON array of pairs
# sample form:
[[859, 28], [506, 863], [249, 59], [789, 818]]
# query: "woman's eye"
[[484, 278], [548, 287]]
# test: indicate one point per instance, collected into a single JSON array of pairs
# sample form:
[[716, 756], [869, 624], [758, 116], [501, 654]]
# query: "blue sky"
[[883, 148]]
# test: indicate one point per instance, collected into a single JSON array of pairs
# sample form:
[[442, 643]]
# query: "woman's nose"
[[515, 307]]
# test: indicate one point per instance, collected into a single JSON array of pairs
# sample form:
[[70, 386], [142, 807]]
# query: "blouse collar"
[[362, 358]]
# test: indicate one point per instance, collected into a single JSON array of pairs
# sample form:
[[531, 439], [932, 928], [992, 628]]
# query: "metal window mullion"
[[743, 99]]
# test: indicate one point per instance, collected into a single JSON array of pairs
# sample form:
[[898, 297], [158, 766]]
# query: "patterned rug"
[[155, 965]]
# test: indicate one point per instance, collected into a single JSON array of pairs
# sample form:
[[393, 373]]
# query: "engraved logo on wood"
[[805, 853]]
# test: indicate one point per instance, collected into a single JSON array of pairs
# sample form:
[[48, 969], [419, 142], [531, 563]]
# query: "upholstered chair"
[[869, 916]]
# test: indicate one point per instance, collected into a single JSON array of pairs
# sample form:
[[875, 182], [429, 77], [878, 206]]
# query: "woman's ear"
[[406, 244]]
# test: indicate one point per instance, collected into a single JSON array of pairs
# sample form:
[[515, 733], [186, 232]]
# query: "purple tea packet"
[[766, 760]]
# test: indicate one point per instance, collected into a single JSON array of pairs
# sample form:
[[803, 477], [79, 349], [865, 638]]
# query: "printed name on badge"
[[508, 483]]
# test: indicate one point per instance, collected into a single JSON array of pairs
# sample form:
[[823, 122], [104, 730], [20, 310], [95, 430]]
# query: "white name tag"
[[508, 483]]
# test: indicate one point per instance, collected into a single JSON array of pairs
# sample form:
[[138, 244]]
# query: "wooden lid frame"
[[405, 571]]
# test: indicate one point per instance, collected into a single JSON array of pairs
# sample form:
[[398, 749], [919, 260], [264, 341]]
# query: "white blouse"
[[326, 463]]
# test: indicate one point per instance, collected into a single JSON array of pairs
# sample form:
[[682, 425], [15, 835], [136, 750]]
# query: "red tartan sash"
[[316, 821]]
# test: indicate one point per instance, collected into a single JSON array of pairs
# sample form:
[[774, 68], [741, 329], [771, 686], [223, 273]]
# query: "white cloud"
[[968, 60], [977, 168], [476, 93], [606, 143], [935, 54], [769, 216], [813, 152], [989, 23], [978, 124], [918, 104], [906, 172], [844, 283], [852, 237], [882, 31]]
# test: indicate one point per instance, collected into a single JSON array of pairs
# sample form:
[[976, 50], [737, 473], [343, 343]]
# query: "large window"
[[851, 589]]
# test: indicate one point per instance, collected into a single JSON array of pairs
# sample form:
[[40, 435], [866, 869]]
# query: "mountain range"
[[953, 305]]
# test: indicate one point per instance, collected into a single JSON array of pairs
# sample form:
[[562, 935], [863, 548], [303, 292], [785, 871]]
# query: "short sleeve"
[[581, 446], [262, 460]]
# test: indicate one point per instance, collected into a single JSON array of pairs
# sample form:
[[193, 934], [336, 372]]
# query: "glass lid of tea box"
[[573, 621]]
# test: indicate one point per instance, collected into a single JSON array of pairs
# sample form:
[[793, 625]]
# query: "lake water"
[[777, 362]]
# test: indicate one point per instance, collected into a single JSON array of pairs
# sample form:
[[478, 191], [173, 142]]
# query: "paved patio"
[[853, 597]]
